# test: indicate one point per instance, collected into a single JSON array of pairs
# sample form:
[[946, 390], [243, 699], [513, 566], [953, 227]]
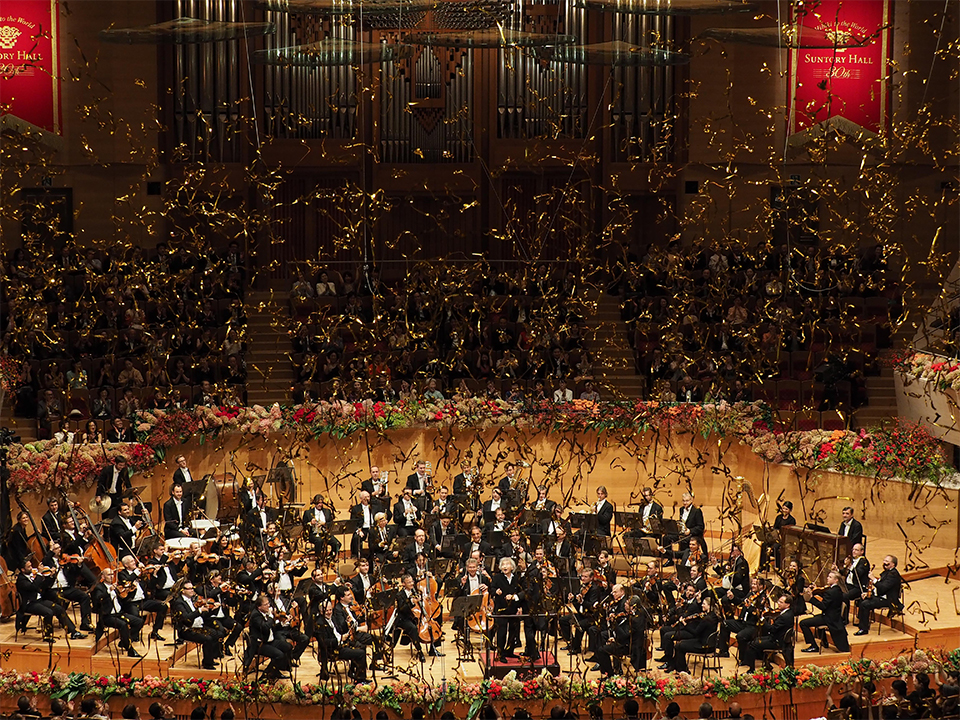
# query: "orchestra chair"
[[254, 661], [22, 618], [709, 659], [181, 648], [786, 651], [896, 610]]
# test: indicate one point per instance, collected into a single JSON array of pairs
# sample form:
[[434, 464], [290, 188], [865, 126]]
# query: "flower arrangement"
[[542, 687], [895, 450], [943, 372]]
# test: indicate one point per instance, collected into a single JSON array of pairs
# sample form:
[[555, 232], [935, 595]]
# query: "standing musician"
[[772, 550], [406, 515], [830, 605], [747, 620], [114, 480], [17, 548], [406, 620], [109, 604], [255, 513], [466, 483], [376, 486], [316, 523], [176, 514], [137, 600], [884, 592], [701, 631], [335, 643], [626, 636], [50, 522], [124, 529], [33, 590], [266, 642], [603, 509], [364, 512], [66, 571], [507, 596], [771, 635], [419, 483], [691, 524], [583, 604], [851, 528], [194, 621], [508, 483], [561, 550], [736, 575]]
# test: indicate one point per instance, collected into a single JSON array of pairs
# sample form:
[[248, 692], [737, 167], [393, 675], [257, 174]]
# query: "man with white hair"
[[507, 597]]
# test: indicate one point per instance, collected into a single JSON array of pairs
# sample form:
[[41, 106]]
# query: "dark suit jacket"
[[400, 519], [106, 479], [356, 513], [856, 532], [831, 605], [504, 485], [171, 520], [50, 526], [413, 482], [500, 588], [861, 578], [179, 478], [182, 614], [656, 512], [485, 549], [888, 585], [409, 555], [781, 625], [30, 590], [695, 524], [260, 627], [310, 514], [122, 536], [488, 505], [460, 484], [604, 519]]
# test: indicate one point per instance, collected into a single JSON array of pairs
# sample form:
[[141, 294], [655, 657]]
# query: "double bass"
[[427, 610]]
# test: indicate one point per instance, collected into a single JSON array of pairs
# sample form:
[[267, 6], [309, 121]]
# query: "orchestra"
[[415, 547]]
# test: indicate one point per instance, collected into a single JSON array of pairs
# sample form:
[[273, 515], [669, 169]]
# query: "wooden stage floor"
[[932, 621]]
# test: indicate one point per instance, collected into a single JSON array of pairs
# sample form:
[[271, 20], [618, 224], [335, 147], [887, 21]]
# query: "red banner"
[[841, 85], [30, 62]]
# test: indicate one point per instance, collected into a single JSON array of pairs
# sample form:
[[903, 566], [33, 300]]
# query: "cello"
[[428, 609], [37, 542], [100, 553]]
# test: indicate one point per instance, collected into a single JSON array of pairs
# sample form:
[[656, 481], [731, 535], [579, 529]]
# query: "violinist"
[[266, 641], [884, 592], [164, 575], [110, 613], [830, 605], [507, 596], [124, 529], [795, 580], [698, 579], [222, 595], [406, 620], [692, 554], [66, 572], [113, 482], [286, 611], [627, 636], [50, 522], [679, 622], [697, 637], [654, 589], [334, 643], [137, 600], [362, 581], [406, 515], [583, 603], [287, 569], [316, 522], [613, 607], [772, 633], [364, 512], [476, 543], [747, 620], [194, 621], [176, 514], [348, 623], [31, 589], [514, 547]]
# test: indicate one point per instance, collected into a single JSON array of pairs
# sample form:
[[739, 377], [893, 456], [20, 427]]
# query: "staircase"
[[269, 372], [614, 364]]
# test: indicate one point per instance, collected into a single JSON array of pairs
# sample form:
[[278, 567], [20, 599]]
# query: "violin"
[[205, 603], [599, 577], [125, 588], [66, 559], [204, 558]]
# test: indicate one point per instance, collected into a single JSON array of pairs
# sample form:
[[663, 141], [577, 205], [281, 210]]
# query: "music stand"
[[463, 607], [641, 547], [449, 547], [391, 571], [628, 519]]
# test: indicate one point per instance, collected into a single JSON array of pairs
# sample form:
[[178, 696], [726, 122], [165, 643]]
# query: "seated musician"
[[830, 605], [287, 613], [406, 515], [65, 588], [444, 504], [605, 568], [514, 546], [335, 643], [137, 600], [654, 591], [124, 529], [440, 530], [626, 636], [678, 624], [552, 525], [747, 619], [495, 502], [316, 523], [561, 551], [287, 569], [265, 640], [735, 574], [72, 541], [584, 605], [507, 596], [771, 634], [196, 624], [176, 514], [700, 636], [419, 546], [771, 551], [692, 555], [795, 580], [381, 540], [251, 577], [476, 543], [347, 616], [109, 608], [857, 578], [613, 604], [885, 593], [364, 513], [362, 581], [225, 595], [543, 502], [165, 573], [31, 589], [406, 622], [497, 525]]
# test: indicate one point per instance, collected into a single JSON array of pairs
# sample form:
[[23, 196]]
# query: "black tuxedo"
[[739, 577], [460, 484], [400, 519], [208, 636], [695, 525], [361, 534], [180, 477], [409, 556], [604, 518], [123, 537], [772, 635], [106, 482], [50, 526], [857, 584], [886, 593], [507, 628], [265, 639], [488, 506], [110, 613], [467, 548], [436, 535], [413, 482], [831, 617], [173, 520], [855, 533], [656, 511]]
